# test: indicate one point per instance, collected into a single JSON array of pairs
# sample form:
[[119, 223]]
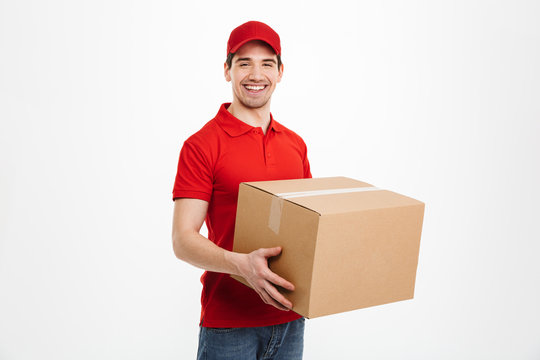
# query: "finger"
[[271, 301], [268, 299], [264, 296], [277, 296], [278, 280]]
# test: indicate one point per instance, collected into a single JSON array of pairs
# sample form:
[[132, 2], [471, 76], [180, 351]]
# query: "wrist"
[[235, 261]]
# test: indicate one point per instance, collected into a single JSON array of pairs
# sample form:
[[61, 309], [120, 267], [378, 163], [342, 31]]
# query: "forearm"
[[189, 245], [199, 251]]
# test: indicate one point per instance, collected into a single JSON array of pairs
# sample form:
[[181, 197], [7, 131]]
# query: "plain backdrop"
[[437, 100]]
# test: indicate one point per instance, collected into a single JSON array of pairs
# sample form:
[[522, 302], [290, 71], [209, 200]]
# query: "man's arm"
[[189, 245]]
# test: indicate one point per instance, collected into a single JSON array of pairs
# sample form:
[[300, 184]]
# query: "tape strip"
[[274, 220], [290, 195]]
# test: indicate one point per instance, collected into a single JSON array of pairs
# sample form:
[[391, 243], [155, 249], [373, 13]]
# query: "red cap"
[[253, 30]]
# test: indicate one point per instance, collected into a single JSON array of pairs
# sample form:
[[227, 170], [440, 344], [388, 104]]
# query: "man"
[[242, 143]]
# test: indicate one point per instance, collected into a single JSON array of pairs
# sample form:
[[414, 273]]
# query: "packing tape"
[[274, 220], [290, 195], [276, 207]]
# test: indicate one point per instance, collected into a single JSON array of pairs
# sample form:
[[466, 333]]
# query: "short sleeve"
[[194, 176], [305, 161]]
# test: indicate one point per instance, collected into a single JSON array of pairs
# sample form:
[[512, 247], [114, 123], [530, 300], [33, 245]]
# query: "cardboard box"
[[346, 244]]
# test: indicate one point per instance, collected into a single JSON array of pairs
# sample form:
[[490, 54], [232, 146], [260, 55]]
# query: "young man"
[[242, 143]]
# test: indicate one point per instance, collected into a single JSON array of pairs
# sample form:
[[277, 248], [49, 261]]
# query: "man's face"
[[253, 74]]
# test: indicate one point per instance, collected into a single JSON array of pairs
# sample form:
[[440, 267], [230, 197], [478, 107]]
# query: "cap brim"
[[243, 42]]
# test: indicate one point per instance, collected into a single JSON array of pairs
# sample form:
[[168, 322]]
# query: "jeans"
[[276, 342]]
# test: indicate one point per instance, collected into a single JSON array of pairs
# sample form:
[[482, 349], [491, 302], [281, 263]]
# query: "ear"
[[226, 72], [280, 73]]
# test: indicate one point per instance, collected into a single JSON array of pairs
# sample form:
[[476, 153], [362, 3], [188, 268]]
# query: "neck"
[[258, 117]]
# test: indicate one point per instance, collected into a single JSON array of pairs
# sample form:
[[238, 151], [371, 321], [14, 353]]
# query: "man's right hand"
[[189, 245], [254, 268]]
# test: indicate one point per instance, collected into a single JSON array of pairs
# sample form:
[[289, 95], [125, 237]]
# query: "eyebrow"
[[249, 59]]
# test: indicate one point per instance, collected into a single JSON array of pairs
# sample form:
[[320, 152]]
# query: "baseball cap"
[[253, 30]]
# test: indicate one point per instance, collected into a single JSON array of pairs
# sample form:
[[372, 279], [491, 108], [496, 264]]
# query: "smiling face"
[[253, 74]]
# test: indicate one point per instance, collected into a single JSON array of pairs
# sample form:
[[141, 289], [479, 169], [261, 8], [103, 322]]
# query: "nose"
[[256, 73]]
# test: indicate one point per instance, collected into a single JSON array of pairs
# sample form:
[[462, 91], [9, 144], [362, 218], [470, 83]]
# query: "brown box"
[[345, 244]]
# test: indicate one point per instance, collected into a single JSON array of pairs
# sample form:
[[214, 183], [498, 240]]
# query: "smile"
[[254, 88]]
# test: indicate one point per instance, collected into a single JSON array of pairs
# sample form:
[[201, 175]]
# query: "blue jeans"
[[276, 342]]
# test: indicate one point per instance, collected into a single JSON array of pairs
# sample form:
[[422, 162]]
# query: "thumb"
[[269, 252]]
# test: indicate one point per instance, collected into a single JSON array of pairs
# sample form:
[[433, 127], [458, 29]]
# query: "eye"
[[243, 64], [268, 65]]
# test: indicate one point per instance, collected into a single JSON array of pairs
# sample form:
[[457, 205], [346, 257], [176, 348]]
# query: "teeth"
[[253, 87]]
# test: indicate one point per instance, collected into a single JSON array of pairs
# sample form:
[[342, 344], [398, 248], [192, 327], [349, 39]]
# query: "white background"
[[438, 100]]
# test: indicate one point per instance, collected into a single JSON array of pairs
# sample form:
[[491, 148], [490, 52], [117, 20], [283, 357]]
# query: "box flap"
[[296, 185], [334, 195], [353, 201]]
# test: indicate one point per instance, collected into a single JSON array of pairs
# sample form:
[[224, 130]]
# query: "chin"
[[254, 104]]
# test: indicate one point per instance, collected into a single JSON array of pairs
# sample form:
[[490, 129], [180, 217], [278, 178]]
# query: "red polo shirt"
[[213, 162]]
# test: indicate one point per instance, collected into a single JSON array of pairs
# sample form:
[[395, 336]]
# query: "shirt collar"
[[236, 127]]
